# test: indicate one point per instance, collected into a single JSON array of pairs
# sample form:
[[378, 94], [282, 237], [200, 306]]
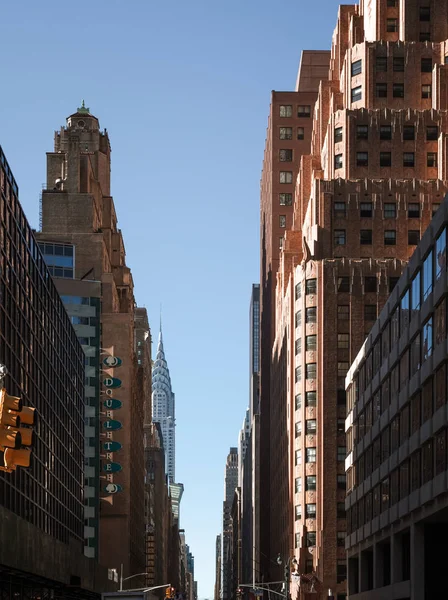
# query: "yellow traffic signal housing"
[[12, 435]]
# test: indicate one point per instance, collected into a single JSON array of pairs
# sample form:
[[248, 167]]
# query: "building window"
[[341, 535], [392, 283], [310, 286], [398, 90], [357, 93], [298, 512], [285, 199], [298, 318], [310, 426], [311, 399], [390, 210], [59, 259], [370, 284], [310, 455], [427, 339], [432, 133], [300, 133], [310, 483], [338, 135], [298, 429], [343, 312], [425, 36], [385, 132], [362, 132], [398, 64], [392, 25], [341, 510], [362, 159], [413, 237], [339, 209], [390, 237], [425, 13], [304, 111], [381, 64], [311, 343], [408, 159], [339, 237], [338, 161], [298, 373], [342, 482], [426, 90], [343, 367], [385, 159], [343, 284], [286, 133], [286, 155], [298, 401], [413, 210], [310, 370], [310, 511], [298, 485], [427, 275], [298, 346], [440, 254], [282, 220], [426, 65], [342, 453], [310, 538], [341, 572], [381, 90], [365, 237], [298, 291], [297, 540], [343, 341], [356, 67], [285, 176], [286, 110], [435, 208], [391, 3], [408, 132], [298, 457], [370, 312], [340, 424], [311, 314], [431, 159], [280, 243]]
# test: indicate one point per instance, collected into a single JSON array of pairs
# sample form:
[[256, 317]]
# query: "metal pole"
[[287, 576], [121, 578]]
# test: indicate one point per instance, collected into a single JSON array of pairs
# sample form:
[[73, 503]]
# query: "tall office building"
[[218, 567], [365, 191], [397, 436], [163, 407], [230, 484], [85, 254], [41, 507]]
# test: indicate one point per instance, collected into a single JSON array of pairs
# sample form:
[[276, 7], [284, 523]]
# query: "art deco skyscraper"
[[163, 407]]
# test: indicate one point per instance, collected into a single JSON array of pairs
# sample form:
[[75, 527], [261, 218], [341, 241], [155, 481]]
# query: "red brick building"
[[365, 185]]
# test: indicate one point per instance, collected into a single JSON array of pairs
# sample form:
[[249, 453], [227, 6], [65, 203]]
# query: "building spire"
[[83, 109]]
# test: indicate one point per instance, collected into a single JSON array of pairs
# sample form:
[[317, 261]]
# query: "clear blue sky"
[[183, 88]]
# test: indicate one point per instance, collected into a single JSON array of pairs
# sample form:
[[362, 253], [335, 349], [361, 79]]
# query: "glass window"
[[282, 220], [390, 237], [366, 209], [357, 93], [339, 209], [413, 237], [385, 159], [310, 286], [343, 312], [385, 132], [440, 452], [370, 284], [343, 341], [413, 210], [298, 457], [341, 510], [338, 161], [409, 132], [297, 540], [398, 90], [286, 110], [441, 254], [432, 132], [338, 135], [435, 207], [310, 455], [381, 90], [405, 315], [398, 64], [285, 176], [285, 155], [298, 345], [310, 511], [298, 373], [392, 25], [408, 159], [356, 67], [426, 65], [285, 199], [342, 453], [298, 401], [310, 369], [365, 237], [416, 293], [415, 354], [427, 400], [343, 284], [390, 210], [310, 426], [339, 237], [440, 323], [75, 300], [425, 13], [310, 483], [381, 64], [298, 429], [310, 538], [298, 291], [427, 275], [362, 159], [370, 312], [311, 314], [286, 133], [298, 485], [431, 159], [298, 511], [426, 91], [427, 339], [311, 342], [425, 36], [311, 399], [362, 132], [300, 133], [304, 111], [343, 367]]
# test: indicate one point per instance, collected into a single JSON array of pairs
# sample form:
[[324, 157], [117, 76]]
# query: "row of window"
[[389, 210], [311, 370], [362, 132], [340, 423], [286, 133], [398, 63], [302, 110], [311, 342], [366, 237], [381, 91], [385, 160]]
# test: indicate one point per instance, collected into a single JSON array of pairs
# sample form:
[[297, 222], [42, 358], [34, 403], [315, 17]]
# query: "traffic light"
[[12, 435]]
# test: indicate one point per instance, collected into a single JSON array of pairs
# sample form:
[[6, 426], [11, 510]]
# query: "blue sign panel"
[[112, 404], [112, 446], [112, 467], [112, 361], [111, 424], [113, 488], [112, 382]]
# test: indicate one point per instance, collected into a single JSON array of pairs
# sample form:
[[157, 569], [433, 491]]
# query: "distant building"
[[397, 425], [218, 568], [230, 484]]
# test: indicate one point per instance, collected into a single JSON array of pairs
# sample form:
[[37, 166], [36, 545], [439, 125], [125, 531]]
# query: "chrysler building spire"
[[163, 408]]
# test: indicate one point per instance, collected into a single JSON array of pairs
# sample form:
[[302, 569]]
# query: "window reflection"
[[440, 254], [427, 339]]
